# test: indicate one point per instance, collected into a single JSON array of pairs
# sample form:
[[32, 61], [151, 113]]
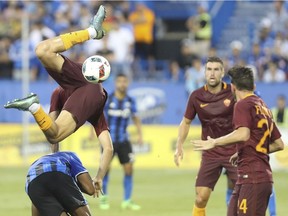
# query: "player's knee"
[[128, 172], [42, 49], [201, 200], [128, 169]]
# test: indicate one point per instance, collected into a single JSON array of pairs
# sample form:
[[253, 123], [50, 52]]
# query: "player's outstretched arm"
[[182, 135], [47, 51], [106, 143], [238, 135]]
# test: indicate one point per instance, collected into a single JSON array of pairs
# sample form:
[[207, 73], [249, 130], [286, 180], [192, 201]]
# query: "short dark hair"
[[242, 77], [215, 59], [281, 97], [121, 75]]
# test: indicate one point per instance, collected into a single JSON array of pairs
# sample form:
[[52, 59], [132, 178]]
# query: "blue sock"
[[272, 204], [128, 184], [228, 195], [105, 183]]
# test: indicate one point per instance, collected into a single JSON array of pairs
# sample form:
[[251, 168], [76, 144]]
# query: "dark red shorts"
[[250, 199], [85, 101], [210, 171]]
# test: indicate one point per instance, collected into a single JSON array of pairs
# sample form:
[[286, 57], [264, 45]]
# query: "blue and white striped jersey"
[[65, 162], [118, 113]]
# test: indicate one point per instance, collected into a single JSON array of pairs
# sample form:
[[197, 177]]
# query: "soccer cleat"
[[22, 104], [97, 20], [128, 204], [104, 205]]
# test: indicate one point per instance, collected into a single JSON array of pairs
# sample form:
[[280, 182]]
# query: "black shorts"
[[54, 192], [124, 152]]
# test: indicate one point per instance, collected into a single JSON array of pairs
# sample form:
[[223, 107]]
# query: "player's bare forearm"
[[238, 135], [137, 122], [106, 142], [55, 146], [182, 135], [86, 184], [277, 145], [183, 131]]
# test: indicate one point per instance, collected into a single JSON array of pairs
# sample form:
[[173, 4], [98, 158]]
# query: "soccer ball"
[[96, 69]]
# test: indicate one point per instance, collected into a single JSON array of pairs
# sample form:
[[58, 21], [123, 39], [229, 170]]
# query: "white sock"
[[92, 32], [34, 108]]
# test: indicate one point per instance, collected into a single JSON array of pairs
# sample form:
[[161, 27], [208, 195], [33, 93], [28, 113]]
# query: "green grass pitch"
[[167, 192]]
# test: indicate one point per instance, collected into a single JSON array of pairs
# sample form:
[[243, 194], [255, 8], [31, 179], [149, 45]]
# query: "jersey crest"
[[227, 102]]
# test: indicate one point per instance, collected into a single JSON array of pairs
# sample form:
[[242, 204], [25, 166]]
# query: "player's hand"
[[200, 145], [98, 187], [234, 159], [178, 155]]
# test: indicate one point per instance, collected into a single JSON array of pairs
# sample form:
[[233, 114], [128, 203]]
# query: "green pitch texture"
[[159, 192]]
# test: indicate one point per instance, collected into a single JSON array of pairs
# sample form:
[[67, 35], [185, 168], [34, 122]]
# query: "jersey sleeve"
[[190, 108], [76, 166], [101, 125], [55, 104], [241, 115]]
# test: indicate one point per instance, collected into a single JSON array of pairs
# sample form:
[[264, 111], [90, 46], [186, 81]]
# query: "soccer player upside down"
[[76, 100]]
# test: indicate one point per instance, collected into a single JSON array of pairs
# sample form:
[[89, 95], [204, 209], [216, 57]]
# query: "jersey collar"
[[224, 86]]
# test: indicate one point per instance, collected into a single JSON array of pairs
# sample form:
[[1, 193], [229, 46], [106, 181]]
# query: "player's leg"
[[34, 211], [55, 131], [233, 203], [230, 187], [202, 197], [253, 199], [128, 180], [47, 51], [105, 182], [68, 194], [103, 201], [126, 158], [89, 97], [81, 211], [208, 175], [272, 204], [231, 173], [44, 203]]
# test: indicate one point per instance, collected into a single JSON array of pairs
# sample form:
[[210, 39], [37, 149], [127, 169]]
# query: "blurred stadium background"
[[183, 34]]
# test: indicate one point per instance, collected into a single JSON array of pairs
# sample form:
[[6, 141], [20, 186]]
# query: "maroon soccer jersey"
[[253, 161], [215, 112], [84, 100]]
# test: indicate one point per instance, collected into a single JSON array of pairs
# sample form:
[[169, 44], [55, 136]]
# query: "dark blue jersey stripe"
[[118, 113]]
